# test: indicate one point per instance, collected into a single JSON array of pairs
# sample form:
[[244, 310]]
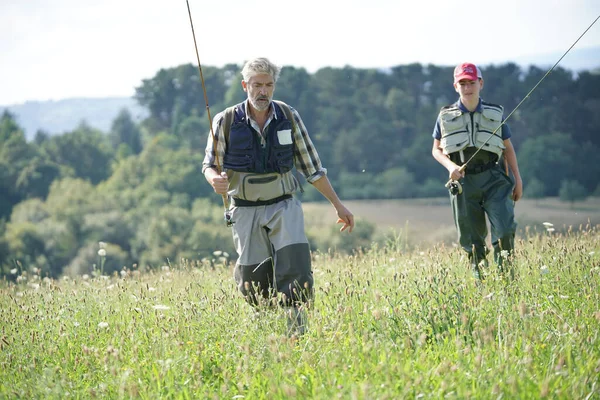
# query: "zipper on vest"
[[472, 129]]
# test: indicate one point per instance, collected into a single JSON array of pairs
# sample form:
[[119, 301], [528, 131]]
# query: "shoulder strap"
[[227, 121], [288, 113]]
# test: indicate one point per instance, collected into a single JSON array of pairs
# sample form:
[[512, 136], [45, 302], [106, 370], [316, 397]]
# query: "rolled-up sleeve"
[[306, 158], [212, 158]]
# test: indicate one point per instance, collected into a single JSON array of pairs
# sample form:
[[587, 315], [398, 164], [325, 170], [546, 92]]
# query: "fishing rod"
[[454, 186], [212, 134]]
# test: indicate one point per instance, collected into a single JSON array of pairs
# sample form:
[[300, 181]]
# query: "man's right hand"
[[220, 183], [456, 173]]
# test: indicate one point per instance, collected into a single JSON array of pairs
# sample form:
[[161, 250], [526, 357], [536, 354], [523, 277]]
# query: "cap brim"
[[465, 76]]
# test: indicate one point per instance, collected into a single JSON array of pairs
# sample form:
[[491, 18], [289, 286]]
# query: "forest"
[[139, 191]]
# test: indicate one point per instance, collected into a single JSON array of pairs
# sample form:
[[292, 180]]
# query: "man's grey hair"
[[260, 65]]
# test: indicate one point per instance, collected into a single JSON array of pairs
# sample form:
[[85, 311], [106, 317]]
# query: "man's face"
[[260, 90], [468, 89]]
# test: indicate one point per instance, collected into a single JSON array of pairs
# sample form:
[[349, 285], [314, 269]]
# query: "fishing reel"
[[228, 220], [454, 187]]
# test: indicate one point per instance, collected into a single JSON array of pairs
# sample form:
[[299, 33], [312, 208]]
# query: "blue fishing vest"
[[245, 152]]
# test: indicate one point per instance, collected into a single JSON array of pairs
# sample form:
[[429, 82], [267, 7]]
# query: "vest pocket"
[[238, 162], [455, 142]]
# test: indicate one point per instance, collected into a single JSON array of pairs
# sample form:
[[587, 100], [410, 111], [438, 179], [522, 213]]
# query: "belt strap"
[[477, 169], [247, 203]]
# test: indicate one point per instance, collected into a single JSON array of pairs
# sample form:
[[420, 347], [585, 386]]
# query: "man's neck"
[[471, 105], [259, 116]]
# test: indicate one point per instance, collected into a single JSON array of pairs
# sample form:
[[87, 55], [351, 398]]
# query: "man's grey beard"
[[260, 108]]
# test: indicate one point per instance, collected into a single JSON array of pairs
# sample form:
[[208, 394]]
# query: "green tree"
[[535, 189], [125, 132], [572, 191], [84, 151]]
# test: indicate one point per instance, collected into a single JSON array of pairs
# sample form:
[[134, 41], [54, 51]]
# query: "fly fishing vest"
[[472, 129], [245, 152]]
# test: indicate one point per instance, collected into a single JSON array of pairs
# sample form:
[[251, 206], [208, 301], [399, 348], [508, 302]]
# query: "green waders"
[[488, 192]]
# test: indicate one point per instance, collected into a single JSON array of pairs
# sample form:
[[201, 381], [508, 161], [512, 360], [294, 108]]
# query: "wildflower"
[[102, 253], [161, 307], [504, 253], [103, 325], [13, 271], [102, 245], [548, 224], [544, 270]]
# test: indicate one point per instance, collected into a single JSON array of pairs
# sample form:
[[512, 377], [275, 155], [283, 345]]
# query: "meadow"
[[386, 323]]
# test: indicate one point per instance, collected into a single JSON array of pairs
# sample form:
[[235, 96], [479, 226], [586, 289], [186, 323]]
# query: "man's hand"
[[518, 190], [345, 217], [456, 172], [220, 183]]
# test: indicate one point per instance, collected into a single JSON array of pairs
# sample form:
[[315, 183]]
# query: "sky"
[[52, 50]]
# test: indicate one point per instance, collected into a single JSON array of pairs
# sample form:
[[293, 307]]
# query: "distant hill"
[[57, 117], [576, 60]]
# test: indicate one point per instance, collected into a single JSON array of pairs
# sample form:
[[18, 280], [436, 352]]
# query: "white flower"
[[102, 253], [217, 253], [14, 271], [550, 229], [504, 254], [547, 224], [102, 245], [165, 267], [544, 269], [103, 325], [161, 307]]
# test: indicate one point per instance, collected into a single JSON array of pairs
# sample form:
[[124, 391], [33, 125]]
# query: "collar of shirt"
[[464, 109], [253, 123]]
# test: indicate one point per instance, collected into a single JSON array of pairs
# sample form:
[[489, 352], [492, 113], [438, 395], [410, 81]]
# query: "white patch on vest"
[[285, 136]]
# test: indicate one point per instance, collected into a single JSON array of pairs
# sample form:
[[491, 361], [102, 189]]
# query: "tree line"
[[139, 189]]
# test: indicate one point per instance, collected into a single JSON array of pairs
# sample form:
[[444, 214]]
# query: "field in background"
[[428, 221]]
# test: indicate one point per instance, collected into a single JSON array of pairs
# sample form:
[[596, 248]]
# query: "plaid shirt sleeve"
[[212, 158], [306, 158]]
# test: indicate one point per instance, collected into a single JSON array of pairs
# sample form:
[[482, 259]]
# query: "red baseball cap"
[[466, 71]]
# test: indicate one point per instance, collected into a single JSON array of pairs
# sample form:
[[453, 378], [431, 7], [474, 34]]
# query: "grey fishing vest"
[[472, 129]]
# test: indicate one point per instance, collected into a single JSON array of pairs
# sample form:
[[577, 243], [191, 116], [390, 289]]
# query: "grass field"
[[427, 222], [385, 324]]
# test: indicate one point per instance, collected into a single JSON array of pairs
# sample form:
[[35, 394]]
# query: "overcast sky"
[[71, 48]]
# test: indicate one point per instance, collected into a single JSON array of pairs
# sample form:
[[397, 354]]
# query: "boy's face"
[[468, 89], [260, 90]]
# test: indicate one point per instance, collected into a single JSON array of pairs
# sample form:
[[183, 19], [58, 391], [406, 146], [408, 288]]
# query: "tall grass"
[[385, 324]]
